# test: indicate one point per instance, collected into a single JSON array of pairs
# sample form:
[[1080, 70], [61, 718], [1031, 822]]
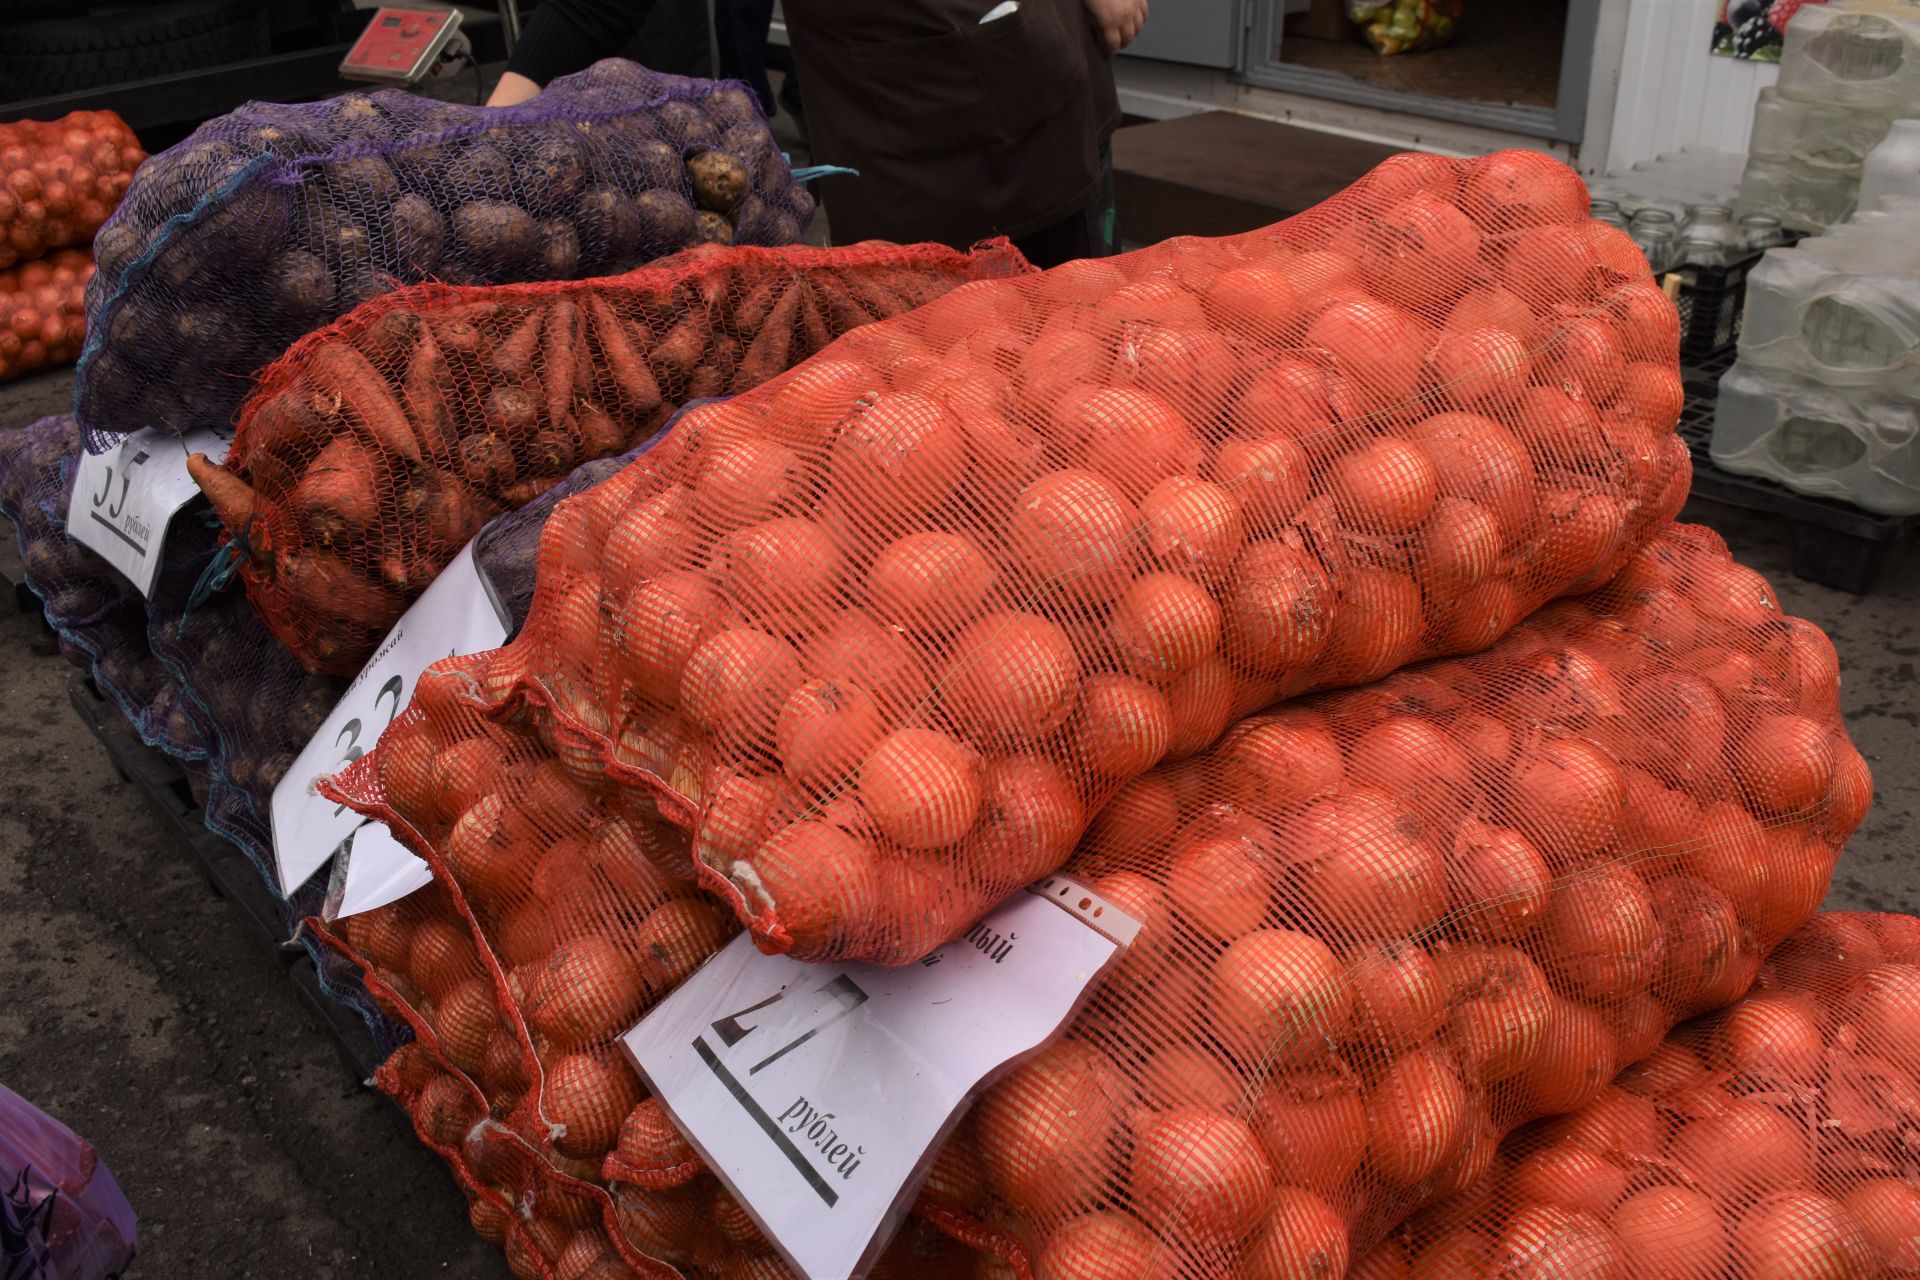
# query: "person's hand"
[[512, 90], [1117, 21]]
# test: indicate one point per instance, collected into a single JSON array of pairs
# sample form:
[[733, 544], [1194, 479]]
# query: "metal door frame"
[[1565, 121]]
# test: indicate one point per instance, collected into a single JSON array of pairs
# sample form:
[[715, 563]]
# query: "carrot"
[[339, 496], [559, 354], [284, 424], [460, 333], [813, 324], [632, 379], [388, 337], [771, 350], [675, 356], [232, 498], [514, 354], [878, 301], [454, 513], [364, 396], [486, 461], [425, 396], [598, 434], [707, 381], [842, 312], [725, 358], [751, 313], [511, 412]]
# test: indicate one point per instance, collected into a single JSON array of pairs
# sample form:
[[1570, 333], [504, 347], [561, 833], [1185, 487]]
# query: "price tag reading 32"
[[124, 499], [816, 1091], [456, 615]]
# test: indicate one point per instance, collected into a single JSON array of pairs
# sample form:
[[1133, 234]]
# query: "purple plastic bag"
[[62, 1216], [273, 220]]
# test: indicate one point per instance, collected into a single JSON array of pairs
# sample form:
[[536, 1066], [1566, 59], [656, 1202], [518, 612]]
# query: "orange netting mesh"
[[1774, 1140], [1382, 927], [59, 179], [881, 632], [42, 313], [377, 446]]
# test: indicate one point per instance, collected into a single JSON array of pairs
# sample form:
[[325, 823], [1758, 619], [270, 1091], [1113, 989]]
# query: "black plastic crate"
[[1835, 544], [1711, 301]]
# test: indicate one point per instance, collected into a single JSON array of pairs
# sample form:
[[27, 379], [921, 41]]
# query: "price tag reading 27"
[[817, 1092], [124, 499], [456, 615]]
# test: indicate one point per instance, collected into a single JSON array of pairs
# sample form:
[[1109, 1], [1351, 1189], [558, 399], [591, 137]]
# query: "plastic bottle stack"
[[1825, 396], [1848, 70]]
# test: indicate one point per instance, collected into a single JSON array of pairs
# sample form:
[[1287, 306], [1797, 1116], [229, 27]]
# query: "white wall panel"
[[1673, 91]]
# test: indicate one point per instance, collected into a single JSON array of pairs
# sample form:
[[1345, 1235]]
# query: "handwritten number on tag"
[[843, 997], [350, 731]]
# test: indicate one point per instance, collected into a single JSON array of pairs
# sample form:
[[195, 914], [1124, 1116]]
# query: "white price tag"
[[456, 615], [372, 870], [124, 499], [815, 1090]]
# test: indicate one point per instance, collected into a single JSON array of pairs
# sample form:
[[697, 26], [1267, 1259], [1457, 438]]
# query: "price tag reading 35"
[[816, 1091], [124, 499], [456, 615]]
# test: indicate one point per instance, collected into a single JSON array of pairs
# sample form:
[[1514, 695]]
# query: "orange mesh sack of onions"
[[377, 446], [1770, 1141], [1382, 926], [556, 1215], [980, 565]]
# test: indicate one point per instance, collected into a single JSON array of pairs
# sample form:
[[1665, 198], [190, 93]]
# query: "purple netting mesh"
[[62, 1217], [99, 617], [274, 219]]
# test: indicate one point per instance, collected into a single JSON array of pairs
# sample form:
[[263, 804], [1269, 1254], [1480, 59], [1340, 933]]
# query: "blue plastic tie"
[[813, 171], [220, 569]]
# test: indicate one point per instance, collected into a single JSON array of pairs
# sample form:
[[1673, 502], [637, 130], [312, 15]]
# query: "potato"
[[654, 165], [494, 234], [559, 250], [554, 172], [300, 282], [361, 181], [608, 226], [666, 222], [719, 180], [480, 166], [713, 228], [686, 126], [420, 233], [733, 105]]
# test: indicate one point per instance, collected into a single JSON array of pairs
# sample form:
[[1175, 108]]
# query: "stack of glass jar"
[[1679, 210], [1825, 396], [1848, 70]]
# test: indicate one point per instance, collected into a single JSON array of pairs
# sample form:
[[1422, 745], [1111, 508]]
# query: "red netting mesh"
[[42, 312], [377, 446], [1382, 927], [1046, 532], [1773, 1140], [59, 179]]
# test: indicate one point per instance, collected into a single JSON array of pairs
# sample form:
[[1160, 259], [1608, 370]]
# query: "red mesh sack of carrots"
[[1770, 1141], [377, 446], [42, 312], [59, 179], [1046, 532], [1382, 927]]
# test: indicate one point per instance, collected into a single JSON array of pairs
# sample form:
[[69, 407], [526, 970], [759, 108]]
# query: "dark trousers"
[[740, 29], [1090, 232]]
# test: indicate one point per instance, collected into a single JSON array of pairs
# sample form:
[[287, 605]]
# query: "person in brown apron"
[[961, 128]]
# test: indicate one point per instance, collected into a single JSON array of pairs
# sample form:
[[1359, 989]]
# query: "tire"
[[61, 55]]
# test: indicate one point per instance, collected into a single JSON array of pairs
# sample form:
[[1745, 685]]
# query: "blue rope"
[[812, 171], [221, 567]]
